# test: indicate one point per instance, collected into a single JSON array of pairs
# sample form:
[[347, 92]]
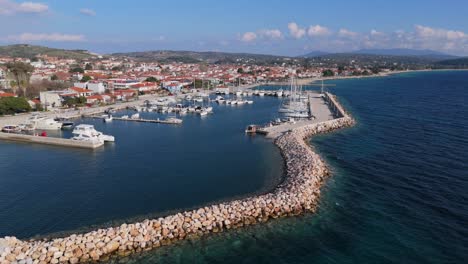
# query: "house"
[[80, 91], [98, 98], [145, 86], [173, 87], [51, 98], [124, 94], [96, 87], [4, 94]]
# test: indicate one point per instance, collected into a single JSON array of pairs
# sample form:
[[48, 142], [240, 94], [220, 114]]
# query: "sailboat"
[[295, 105]]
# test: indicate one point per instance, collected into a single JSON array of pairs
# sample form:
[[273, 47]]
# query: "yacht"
[[88, 133], [66, 123], [279, 93], [135, 116], [125, 117], [44, 123], [203, 113], [261, 93]]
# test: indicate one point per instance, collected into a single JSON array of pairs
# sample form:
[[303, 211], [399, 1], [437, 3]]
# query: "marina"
[[292, 197]]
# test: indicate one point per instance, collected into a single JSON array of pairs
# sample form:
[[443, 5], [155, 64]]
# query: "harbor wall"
[[298, 193], [49, 141]]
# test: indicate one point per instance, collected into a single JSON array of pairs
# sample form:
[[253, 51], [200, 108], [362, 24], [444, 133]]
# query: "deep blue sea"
[[398, 191]]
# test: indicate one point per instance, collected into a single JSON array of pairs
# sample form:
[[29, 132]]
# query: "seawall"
[[299, 193]]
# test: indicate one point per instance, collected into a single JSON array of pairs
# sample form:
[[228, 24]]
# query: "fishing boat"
[[88, 133]]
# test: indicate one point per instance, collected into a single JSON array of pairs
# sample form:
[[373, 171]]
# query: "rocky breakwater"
[[297, 194]]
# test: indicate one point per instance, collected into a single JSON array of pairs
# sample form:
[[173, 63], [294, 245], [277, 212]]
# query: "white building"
[[96, 87], [50, 99]]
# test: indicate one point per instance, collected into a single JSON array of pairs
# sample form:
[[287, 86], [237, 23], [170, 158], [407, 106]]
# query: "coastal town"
[[52, 83]]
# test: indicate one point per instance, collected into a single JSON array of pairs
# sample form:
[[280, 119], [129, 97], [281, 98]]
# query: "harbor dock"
[[158, 121], [320, 108], [63, 142]]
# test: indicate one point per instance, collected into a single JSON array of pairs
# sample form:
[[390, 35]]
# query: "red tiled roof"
[[80, 90], [7, 95]]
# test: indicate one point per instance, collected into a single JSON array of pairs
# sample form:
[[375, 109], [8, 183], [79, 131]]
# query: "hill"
[[30, 51], [430, 54], [453, 63], [208, 57], [315, 53]]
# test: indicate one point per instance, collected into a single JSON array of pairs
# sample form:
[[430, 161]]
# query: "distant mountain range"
[[373, 57], [429, 54], [195, 56]]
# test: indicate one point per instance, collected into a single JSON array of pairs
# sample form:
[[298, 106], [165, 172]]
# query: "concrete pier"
[[63, 142], [157, 121], [318, 106], [299, 193]]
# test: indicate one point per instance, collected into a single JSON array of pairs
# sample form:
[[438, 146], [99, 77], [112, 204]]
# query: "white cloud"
[[271, 33], [296, 31], [53, 37], [376, 33], [249, 37], [318, 31], [440, 33], [88, 12], [347, 33], [9, 7]]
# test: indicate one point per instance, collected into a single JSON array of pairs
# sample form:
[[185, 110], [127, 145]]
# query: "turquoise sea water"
[[398, 193]]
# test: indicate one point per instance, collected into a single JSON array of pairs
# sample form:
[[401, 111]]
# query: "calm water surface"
[[399, 190], [151, 169]]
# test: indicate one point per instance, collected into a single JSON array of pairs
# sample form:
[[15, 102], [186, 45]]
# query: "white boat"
[[279, 93], [240, 102], [135, 116], [108, 119], [174, 120], [239, 93], [261, 93], [203, 113], [88, 133], [11, 129], [209, 109], [44, 123], [125, 117], [249, 102]]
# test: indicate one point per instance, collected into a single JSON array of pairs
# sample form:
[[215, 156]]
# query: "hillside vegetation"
[[31, 51]]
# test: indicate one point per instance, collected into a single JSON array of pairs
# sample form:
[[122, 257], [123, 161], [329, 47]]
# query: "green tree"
[[12, 105], [88, 66], [21, 72], [117, 68], [240, 70], [54, 77], [86, 78], [328, 73], [151, 79], [77, 69]]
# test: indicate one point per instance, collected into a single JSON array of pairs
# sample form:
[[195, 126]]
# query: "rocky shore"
[[298, 193]]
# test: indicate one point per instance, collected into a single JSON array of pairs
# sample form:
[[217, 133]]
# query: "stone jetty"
[[298, 193]]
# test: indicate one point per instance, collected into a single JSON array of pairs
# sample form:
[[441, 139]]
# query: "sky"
[[292, 27]]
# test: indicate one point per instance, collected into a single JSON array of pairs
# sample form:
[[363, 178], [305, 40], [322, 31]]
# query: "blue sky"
[[272, 27]]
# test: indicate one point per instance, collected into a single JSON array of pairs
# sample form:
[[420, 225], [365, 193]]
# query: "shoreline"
[[296, 194]]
